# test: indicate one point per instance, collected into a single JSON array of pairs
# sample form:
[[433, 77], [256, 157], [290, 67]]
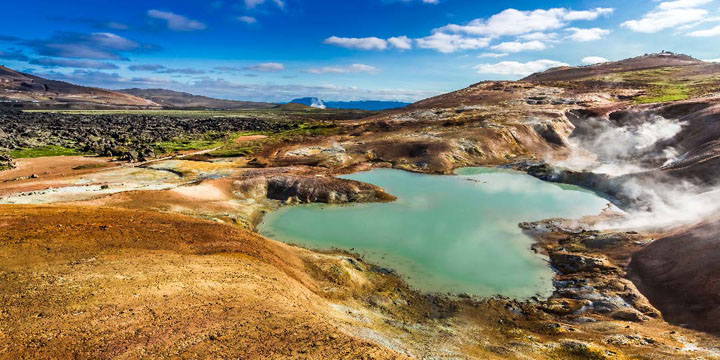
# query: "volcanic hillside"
[[25, 88]]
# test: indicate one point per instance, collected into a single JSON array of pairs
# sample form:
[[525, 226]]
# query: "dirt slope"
[[108, 283], [679, 275]]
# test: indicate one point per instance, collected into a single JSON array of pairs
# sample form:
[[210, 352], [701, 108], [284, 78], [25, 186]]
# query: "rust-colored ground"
[[101, 283], [49, 171]]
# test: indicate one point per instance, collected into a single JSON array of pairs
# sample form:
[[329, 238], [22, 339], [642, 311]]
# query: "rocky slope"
[[17, 87], [645, 62]]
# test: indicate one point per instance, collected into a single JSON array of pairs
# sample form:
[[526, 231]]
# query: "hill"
[[176, 99], [645, 62], [26, 89]]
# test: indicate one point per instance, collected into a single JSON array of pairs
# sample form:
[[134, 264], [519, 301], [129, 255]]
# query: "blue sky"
[[276, 50]]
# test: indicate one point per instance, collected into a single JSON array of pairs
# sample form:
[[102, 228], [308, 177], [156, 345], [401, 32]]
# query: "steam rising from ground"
[[632, 154], [603, 147]]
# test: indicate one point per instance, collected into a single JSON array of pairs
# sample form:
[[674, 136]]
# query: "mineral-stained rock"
[[310, 189], [571, 263]]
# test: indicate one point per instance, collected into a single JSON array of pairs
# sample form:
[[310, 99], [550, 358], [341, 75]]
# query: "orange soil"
[[250, 138], [98, 283], [51, 171]]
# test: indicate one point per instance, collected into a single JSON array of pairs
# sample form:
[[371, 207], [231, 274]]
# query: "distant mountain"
[[31, 90], [176, 99], [372, 105]]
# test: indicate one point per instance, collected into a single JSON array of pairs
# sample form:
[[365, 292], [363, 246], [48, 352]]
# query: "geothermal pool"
[[444, 233]]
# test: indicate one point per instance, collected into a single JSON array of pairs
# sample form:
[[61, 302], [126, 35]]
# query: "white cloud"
[[681, 4], [540, 36], [583, 35], [176, 22], [492, 55], [518, 46], [712, 60], [367, 43], [588, 14], [400, 42], [517, 68], [706, 33], [247, 19], [591, 60], [515, 22], [266, 67], [448, 43], [254, 3], [669, 14], [354, 68]]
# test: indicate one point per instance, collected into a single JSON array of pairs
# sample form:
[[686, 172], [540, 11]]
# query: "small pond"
[[455, 234]]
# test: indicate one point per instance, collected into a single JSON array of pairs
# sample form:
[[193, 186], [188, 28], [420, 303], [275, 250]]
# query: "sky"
[[278, 50]]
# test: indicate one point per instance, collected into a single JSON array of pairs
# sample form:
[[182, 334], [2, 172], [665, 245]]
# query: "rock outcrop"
[[311, 189]]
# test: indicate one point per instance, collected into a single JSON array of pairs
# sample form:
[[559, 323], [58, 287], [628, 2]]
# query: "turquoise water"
[[444, 233]]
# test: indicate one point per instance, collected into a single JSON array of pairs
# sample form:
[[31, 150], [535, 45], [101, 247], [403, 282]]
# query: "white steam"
[[607, 148], [601, 146]]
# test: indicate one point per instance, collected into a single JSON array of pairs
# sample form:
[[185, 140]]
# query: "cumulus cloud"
[[539, 36], [512, 22], [354, 68], [582, 35], [73, 63], [591, 60], [448, 43], [517, 68], [706, 33], [400, 42], [588, 14], [266, 67], [518, 46], [176, 22], [680, 4], [371, 43], [669, 14], [367, 43], [533, 27], [247, 19], [492, 55], [86, 46]]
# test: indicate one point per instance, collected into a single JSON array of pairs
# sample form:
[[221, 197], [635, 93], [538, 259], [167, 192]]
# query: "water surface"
[[444, 233]]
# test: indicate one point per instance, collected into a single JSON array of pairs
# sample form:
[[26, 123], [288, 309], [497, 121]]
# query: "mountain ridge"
[[179, 99]]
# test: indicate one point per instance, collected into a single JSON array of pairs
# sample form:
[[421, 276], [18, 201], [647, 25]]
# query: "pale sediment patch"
[[204, 192]]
